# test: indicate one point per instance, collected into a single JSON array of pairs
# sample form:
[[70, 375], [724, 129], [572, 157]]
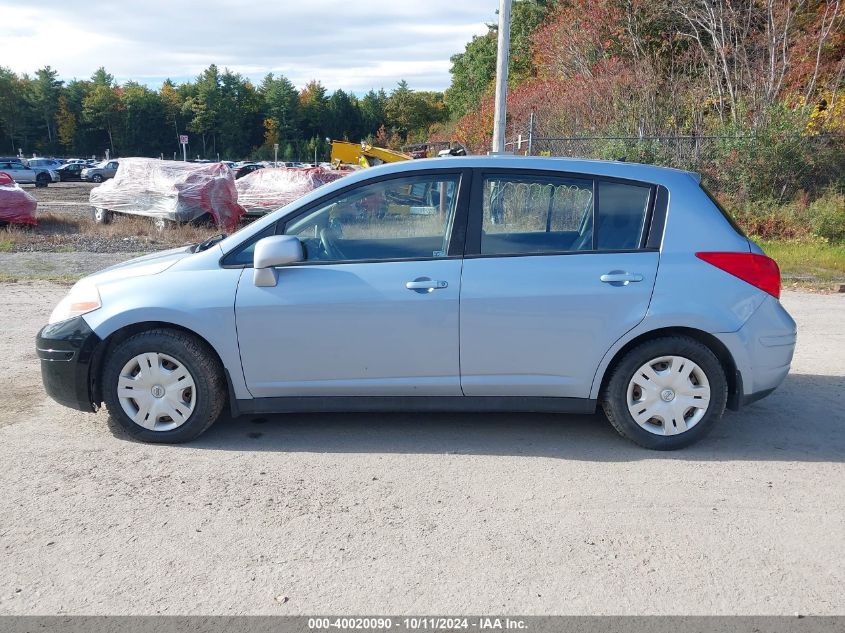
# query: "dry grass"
[[61, 231]]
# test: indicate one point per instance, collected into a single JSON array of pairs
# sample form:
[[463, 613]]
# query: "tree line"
[[224, 114]]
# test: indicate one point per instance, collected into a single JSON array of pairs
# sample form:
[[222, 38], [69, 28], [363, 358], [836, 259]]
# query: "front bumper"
[[66, 351]]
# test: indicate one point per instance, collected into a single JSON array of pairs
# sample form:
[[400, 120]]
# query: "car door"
[[373, 309], [557, 269], [22, 174]]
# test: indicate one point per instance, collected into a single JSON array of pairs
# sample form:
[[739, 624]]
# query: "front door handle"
[[620, 278], [425, 285]]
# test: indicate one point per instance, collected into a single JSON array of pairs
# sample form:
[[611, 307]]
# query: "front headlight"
[[81, 299]]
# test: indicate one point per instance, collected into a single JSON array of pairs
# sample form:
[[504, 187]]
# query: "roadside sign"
[[275, 147], [183, 141]]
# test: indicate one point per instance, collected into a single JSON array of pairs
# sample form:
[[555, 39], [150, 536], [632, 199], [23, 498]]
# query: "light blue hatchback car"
[[456, 284]]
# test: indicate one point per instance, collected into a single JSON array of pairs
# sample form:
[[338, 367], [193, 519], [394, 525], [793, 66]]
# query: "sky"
[[354, 45]]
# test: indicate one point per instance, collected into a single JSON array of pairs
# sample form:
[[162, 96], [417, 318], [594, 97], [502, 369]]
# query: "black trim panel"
[[658, 219], [66, 351], [342, 404]]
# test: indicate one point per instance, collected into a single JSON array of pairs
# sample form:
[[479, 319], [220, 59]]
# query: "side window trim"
[[653, 233], [655, 213]]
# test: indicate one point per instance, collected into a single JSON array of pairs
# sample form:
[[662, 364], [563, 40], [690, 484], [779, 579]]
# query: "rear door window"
[[536, 214], [623, 209], [528, 213]]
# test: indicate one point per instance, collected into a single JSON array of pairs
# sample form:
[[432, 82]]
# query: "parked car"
[[529, 284], [44, 163], [71, 171], [103, 171], [23, 174], [247, 168], [16, 205]]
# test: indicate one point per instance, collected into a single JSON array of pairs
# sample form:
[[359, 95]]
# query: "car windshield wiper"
[[211, 241]]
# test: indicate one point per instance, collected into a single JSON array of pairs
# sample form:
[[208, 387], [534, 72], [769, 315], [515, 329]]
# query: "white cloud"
[[350, 45]]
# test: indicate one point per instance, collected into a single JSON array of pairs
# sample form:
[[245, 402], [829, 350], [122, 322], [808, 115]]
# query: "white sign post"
[[183, 140], [275, 154]]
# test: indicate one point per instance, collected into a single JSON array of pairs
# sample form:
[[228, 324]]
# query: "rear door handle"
[[620, 278], [424, 285]]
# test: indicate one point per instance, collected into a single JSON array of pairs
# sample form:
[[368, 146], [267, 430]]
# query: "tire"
[[42, 180], [200, 403], [679, 419], [97, 178], [102, 216]]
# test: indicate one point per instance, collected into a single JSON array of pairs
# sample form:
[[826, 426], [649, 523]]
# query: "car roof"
[[610, 168]]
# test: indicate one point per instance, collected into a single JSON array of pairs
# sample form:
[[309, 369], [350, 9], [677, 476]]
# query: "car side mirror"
[[276, 250]]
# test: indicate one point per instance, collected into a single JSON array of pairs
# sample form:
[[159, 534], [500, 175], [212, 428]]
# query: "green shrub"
[[827, 216], [770, 220]]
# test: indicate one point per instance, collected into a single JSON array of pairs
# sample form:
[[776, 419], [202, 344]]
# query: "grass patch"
[[808, 260], [63, 278], [6, 246]]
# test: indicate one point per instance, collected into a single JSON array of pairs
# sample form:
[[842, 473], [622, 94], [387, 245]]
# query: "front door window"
[[401, 218]]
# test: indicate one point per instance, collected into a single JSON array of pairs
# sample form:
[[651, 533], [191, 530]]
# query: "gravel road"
[[445, 514]]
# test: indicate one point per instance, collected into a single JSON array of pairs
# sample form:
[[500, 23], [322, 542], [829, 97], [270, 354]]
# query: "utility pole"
[[531, 133], [500, 116]]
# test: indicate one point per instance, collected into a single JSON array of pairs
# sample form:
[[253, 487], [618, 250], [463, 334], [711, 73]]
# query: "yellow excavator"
[[363, 155]]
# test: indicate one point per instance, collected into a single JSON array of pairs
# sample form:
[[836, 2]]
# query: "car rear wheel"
[[163, 386], [97, 178], [42, 180], [666, 393], [102, 216]]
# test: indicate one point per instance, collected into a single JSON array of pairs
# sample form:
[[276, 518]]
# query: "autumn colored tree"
[[66, 124]]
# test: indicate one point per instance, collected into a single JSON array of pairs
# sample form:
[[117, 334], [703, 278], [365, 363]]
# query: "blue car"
[[452, 284]]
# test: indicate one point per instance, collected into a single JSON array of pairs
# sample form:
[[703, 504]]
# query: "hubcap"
[[156, 391], [668, 395]]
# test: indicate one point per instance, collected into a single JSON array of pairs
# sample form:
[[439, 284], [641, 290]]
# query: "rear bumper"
[[66, 351], [762, 351]]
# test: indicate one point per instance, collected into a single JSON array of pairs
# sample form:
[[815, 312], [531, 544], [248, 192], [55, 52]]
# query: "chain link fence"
[[777, 165]]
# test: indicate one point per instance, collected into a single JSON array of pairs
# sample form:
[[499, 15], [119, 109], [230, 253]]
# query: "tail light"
[[760, 271]]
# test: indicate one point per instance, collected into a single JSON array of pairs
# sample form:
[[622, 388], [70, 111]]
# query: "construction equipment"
[[363, 155]]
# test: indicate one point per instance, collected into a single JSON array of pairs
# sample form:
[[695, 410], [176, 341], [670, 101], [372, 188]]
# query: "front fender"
[[202, 301]]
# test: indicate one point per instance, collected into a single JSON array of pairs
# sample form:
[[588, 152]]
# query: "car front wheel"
[[163, 386], [666, 393], [97, 178]]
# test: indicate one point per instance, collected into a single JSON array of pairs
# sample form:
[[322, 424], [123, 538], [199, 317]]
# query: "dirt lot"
[[424, 513], [65, 198]]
